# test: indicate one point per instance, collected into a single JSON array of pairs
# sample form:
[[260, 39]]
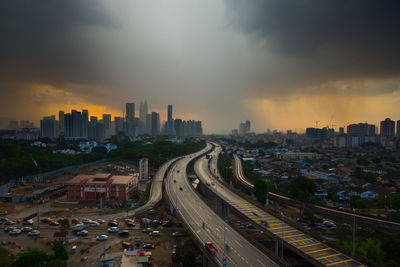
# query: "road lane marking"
[[287, 226], [261, 263], [309, 245], [324, 257], [293, 235], [338, 262], [284, 232], [294, 241], [318, 250]]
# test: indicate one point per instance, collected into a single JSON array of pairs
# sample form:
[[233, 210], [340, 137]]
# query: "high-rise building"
[[143, 169], [341, 130], [155, 123], [85, 120], [130, 119], [130, 111], [178, 123], [48, 127], [143, 117], [25, 124], [61, 122], [107, 126], [387, 128], [361, 129], [398, 128], [148, 123], [119, 126], [170, 130], [244, 127], [74, 125]]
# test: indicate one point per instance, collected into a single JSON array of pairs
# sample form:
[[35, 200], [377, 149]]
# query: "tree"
[[302, 188], [64, 226], [261, 189], [60, 252], [32, 257]]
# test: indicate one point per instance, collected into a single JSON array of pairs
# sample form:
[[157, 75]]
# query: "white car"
[[85, 221], [101, 221], [34, 233], [15, 231], [93, 223], [102, 238], [28, 222], [154, 233], [113, 229]]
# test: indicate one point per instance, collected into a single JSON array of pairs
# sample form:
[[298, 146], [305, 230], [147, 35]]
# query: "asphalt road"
[[293, 237], [194, 212]]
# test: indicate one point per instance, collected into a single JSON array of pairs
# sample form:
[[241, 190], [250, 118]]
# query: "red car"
[[211, 248], [75, 220], [46, 220]]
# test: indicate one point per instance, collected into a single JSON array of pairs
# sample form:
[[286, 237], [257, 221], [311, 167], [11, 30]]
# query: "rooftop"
[[101, 178]]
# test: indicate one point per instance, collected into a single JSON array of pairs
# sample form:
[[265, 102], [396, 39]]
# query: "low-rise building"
[[297, 156], [115, 188]]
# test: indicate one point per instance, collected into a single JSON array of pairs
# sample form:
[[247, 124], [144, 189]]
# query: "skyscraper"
[[170, 123], [388, 128], [48, 127], [119, 126], [155, 123], [107, 125], [61, 122], [130, 119], [77, 121], [85, 120], [148, 124]]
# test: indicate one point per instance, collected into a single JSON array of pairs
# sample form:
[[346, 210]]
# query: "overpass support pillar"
[[276, 206], [277, 248]]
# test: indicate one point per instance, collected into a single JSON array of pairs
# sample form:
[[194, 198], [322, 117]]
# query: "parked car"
[[86, 221], [75, 221], [113, 229], [78, 227], [154, 233], [167, 224], [34, 233], [250, 226], [15, 231], [112, 223], [101, 238], [9, 222], [100, 221], [73, 250], [130, 224], [8, 229], [124, 233], [53, 223], [46, 220], [147, 230], [148, 246], [177, 234], [27, 222], [82, 233], [92, 223], [26, 229]]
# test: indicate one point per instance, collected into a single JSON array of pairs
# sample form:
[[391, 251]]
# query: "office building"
[[61, 122], [178, 123], [114, 188], [143, 169], [85, 121], [143, 117], [244, 127], [48, 127], [361, 129], [119, 126], [107, 125], [155, 123], [341, 130], [387, 128]]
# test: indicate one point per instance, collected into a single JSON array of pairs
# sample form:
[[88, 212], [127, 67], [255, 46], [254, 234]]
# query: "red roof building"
[[114, 188]]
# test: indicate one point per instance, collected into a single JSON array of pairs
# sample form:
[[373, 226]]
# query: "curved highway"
[[295, 239], [194, 212]]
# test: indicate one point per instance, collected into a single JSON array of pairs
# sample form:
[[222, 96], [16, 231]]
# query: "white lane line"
[[261, 263], [238, 243]]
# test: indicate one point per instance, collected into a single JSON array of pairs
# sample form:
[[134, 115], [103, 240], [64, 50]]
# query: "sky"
[[281, 64]]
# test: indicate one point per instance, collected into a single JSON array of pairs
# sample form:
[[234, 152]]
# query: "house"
[[368, 194]]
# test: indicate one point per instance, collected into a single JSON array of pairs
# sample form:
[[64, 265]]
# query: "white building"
[[143, 169]]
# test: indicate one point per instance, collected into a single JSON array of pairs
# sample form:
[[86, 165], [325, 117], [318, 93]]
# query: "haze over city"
[[281, 64]]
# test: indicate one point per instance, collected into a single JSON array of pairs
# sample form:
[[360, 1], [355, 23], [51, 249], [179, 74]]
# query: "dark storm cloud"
[[44, 41], [335, 38]]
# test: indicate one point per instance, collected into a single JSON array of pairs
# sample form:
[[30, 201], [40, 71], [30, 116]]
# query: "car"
[[46, 220], [112, 223], [130, 223], [73, 250], [211, 248], [167, 224], [147, 230], [75, 221], [177, 234], [8, 229], [241, 226], [124, 233], [148, 246], [100, 221], [113, 229], [101, 238], [83, 258], [27, 222], [154, 233], [34, 233], [78, 227], [9, 222], [86, 221], [53, 223], [250, 226], [26, 229], [15, 231], [92, 223], [155, 223], [82, 233]]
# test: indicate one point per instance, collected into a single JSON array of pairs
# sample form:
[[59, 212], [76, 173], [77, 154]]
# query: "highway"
[[194, 212], [338, 213], [295, 239]]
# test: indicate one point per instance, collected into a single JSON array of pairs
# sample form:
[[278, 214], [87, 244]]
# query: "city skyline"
[[277, 64]]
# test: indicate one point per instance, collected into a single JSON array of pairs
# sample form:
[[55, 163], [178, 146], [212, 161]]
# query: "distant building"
[[170, 129], [297, 156], [321, 134], [130, 119], [48, 127], [143, 169], [107, 125], [387, 128], [85, 121], [73, 125], [114, 188], [244, 127], [119, 126], [361, 129], [155, 123], [61, 122]]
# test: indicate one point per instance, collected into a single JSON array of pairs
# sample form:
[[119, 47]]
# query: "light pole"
[[354, 231]]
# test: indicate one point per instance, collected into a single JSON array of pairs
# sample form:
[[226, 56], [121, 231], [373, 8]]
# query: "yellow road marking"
[[278, 227], [284, 232], [324, 257], [309, 245], [294, 241], [314, 251], [276, 224], [334, 263], [293, 235]]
